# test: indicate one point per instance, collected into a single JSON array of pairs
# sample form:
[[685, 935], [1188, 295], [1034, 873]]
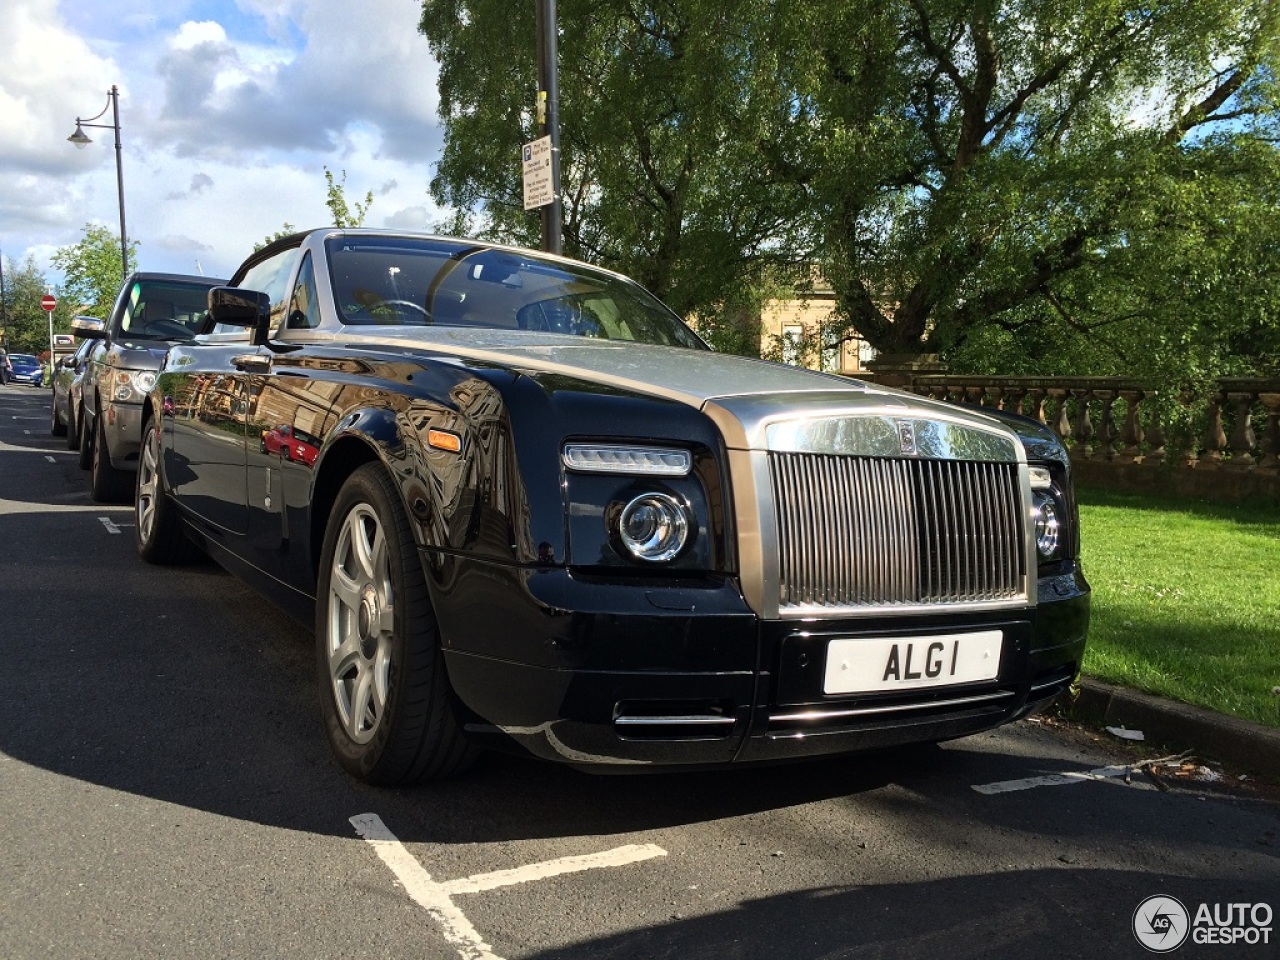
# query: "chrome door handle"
[[252, 362]]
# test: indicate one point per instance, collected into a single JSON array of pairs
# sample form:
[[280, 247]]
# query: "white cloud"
[[228, 119]]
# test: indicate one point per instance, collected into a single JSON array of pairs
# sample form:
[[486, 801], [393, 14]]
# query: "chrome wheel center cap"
[[368, 619]]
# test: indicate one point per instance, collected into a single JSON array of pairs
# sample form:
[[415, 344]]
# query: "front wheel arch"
[[341, 460], [388, 708]]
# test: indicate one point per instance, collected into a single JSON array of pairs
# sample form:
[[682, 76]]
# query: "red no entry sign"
[[48, 302]]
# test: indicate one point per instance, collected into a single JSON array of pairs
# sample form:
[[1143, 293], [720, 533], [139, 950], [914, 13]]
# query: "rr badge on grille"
[[907, 438]]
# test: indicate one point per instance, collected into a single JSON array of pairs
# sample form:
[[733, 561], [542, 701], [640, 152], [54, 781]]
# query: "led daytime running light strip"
[[612, 458]]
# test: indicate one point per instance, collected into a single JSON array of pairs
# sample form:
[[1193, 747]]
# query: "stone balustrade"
[[1222, 444]]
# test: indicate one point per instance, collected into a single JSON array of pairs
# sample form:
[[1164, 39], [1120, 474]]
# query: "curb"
[[1241, 743]]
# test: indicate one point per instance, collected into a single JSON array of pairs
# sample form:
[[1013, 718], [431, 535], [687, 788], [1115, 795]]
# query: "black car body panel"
[[558, 641]]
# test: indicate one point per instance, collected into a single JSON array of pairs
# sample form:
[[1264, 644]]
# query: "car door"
[[214, 419], [205, 404], [290, 397]]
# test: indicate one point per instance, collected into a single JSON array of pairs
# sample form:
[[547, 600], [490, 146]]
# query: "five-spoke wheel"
[[387, 705]]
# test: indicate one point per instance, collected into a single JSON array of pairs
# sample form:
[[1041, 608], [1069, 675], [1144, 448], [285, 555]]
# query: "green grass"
[[1186, 600]]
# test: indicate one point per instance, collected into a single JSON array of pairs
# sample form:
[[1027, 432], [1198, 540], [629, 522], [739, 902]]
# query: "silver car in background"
[[151, 312], [68, 376]]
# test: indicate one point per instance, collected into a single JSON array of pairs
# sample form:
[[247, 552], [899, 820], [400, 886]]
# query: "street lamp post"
[[81, 141]]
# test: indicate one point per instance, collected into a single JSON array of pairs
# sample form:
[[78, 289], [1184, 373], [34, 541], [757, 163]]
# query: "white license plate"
[[878, 664]]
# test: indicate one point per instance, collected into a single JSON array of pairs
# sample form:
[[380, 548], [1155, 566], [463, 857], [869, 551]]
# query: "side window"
[[304, 309], [271, 276]]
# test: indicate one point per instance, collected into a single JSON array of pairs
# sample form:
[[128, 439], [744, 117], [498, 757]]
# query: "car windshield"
[[23, 358], [159, 310], [407, 281]]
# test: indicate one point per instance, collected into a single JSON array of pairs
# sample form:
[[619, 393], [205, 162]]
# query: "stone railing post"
[[1215, 438], [1243, 438], [1155, 438], [1062, 422], [1036, 398], [1271, 435], [1131, 435], [1013, 397], [1107, 433], [1084, 425]]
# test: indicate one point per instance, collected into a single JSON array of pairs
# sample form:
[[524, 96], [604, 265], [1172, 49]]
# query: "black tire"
[[73, 428], [413, 735], [106, 483], [56, 426], [86, 442], [157, 530]]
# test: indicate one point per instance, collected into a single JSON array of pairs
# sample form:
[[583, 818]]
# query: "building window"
[[792, 343]]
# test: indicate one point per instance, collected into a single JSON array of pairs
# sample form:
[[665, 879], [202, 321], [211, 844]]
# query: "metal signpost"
[[549, 127], [49, 303]]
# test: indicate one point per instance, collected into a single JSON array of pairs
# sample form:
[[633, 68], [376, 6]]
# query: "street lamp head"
[[79, 138]]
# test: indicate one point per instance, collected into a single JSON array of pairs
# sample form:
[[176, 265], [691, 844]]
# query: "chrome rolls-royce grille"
[[869, 532]]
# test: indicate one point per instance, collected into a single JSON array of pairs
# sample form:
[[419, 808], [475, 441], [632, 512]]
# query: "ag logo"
[[1161, 924]]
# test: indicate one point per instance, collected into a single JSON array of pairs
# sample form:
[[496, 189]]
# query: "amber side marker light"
[[443, 440]]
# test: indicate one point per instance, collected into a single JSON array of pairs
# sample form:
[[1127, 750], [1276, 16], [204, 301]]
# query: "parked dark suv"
[[151, 312]]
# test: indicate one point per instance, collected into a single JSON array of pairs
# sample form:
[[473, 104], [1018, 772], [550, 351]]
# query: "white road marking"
[[424, 891], [50, 459], [436, 897], [617, 857], [1059, 779], [27, 432], [111, 527]]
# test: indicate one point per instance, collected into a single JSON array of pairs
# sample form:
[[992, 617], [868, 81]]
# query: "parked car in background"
[[290, 443], [24, 368], [151, 311], [543, 515], [67, 379]]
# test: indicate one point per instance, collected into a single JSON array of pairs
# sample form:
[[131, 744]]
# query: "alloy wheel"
[[145, 507], [360, 624]]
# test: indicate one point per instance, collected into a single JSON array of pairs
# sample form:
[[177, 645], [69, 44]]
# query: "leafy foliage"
[[1024, 163], [26, 327], [1088, 186], [91, 270], [284, 231], [336, 200], [662, 107]]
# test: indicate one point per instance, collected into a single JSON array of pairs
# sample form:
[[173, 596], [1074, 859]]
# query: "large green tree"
[[26, 326], [979, 163], [662, 108], [91, 270], [1096, 177]]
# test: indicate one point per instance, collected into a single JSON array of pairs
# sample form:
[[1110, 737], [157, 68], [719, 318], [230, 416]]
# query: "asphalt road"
[[166, 791]]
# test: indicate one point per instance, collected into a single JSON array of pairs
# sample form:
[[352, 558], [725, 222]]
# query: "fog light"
[[653, 527], [1047, 527]]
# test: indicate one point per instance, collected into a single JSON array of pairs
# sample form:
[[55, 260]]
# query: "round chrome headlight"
[[1047, 526], [653, 527]]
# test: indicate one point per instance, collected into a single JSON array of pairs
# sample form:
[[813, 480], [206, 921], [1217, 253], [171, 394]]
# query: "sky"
[[230, 111]]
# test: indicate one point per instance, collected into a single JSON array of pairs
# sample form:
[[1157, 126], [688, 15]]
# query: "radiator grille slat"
[[869, 532]]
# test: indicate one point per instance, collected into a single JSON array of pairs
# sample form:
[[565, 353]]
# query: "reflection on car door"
[[208, 408], [292, 400]]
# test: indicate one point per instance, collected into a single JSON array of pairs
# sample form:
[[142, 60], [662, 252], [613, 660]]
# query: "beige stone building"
[[801, 331]]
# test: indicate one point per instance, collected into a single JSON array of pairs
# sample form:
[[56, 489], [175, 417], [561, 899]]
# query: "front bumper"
[[610, 674], [122, 427]]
